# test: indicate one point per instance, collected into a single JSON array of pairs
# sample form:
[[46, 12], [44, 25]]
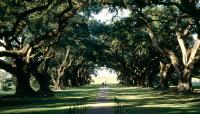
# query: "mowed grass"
[[59, 104], [135, 100], [146, 101]]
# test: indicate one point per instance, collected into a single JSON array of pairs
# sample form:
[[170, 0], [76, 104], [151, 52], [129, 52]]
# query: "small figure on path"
[[102, 84], [105, 85]]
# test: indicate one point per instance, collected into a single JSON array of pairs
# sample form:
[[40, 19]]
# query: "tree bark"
[[23, 87], [165, 73], [44, 80], [185, 82], [22, 74], [66, 63], [57, 84], [184, 70]]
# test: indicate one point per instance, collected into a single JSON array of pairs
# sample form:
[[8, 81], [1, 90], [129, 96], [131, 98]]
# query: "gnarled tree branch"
[[7, 67]]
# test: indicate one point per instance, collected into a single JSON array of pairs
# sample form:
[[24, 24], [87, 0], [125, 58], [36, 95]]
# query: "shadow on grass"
[[145, 101], [46, 111], [59, 103], [129, 109]]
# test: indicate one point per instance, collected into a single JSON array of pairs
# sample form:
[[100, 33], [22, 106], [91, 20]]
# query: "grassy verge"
[[58, 104], [145, 101]]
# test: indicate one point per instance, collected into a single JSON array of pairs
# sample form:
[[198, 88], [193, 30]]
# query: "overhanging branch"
[[7, 67], [21, 16], [9, 54]]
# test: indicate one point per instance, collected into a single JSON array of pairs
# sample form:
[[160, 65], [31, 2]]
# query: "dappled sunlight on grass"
[[35, 109], [145, 101], [135, 100], [57, 104], [137, 97], [175, 105]]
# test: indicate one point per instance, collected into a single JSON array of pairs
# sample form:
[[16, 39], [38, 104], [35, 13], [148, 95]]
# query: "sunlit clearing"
[[105, 75], [100, 104]]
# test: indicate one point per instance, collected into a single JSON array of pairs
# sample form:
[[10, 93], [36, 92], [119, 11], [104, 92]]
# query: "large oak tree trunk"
[[61, 72], [165, 72], [57, 84], [61, 81], [188, 59], [185, 82], [23, 87], [43, 78], [44, 81]]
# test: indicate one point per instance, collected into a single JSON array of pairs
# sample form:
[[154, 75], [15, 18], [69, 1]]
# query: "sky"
[[105, 72], [105, 16], [105, 75]]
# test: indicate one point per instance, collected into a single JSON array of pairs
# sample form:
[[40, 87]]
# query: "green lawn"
[[58, 104], [145, 101], [135, 100]]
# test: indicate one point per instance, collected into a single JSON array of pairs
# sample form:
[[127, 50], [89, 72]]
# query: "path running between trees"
[[102, 105]]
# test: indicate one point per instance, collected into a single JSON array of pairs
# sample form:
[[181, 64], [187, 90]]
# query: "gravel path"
[[103, 105]]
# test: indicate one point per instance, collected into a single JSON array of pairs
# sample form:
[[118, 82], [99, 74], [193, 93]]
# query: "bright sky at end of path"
[[104, 75], [105, 72]]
